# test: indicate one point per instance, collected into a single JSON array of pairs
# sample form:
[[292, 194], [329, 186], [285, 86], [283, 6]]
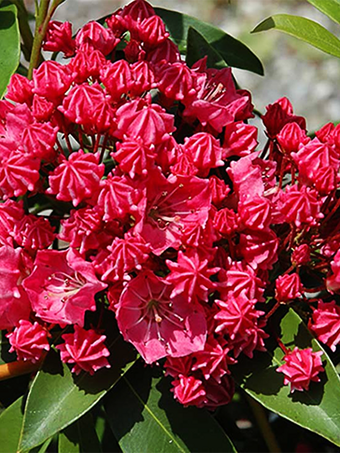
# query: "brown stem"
[[18, 368]]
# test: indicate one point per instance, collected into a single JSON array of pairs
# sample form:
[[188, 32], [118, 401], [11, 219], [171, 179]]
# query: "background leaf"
[[142, 412], [9, 44], [305, 29], [57, 398], [198, 47], [317, 409], [10, 427], [329, 7], [80, 437], [234, 52]]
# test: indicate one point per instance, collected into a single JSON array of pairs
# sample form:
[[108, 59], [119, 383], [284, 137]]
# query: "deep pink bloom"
[[255, 212], [291, 138], [214, 360], [143, 78], [325, 323], [38, 140], [166, 52], [226, 221], [20, 89], [288, 287], [125, 255], [278, 115], [77, 178], [191, 277], [11, 213], [189, 391], [240, 139], [18, 174], [86, 349], [219, 190], [176, 81], [51, 80], [246, 177], [205, 152], [301, 206], [236, 316], [14, 304], [86, 230], [59, 38], [157, 324], [81, 101], [139, 119], [42, 109], [239, 279], [134, 157], [33, 233], [152, 31], [62, 287], [118, 197], [301, 255], [302, 366], [93, 36], [87, 64], [259, 248], [29, 341], [216, 101], [117, 78], [174, 205]]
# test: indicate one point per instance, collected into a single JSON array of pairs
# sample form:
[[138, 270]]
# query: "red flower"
[[325, 323], [86, 349], [62, 287], [157, 324], [288, 287], [302, 366], [29, 341], [190, 276], [77, 178]]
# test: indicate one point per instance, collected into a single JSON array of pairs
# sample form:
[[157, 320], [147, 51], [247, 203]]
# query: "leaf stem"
[[264, 426], [43, 17], [18, 368]]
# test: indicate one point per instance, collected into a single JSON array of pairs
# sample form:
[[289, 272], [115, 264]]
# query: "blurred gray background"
[[308, 77]]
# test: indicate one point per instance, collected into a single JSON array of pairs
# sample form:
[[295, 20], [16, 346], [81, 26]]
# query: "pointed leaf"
[[80, 437], [10, 426], [305, 29], [317, 409], [142, 412], [9, 44], [234, 52], [57, 398], [329, 7], [198, 47]]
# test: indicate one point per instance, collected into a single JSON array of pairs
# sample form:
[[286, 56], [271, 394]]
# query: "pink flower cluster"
[[132, 182]]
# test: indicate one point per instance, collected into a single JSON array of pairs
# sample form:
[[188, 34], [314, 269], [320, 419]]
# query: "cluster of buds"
[[132, 182]]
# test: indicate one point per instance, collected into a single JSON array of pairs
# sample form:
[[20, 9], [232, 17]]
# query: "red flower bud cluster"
[[144, 175]]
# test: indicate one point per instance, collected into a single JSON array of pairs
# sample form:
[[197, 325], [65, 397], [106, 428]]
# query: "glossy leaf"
[[57, 398], [80, 437], [10, 427], [198, 47], [317, 409], [329, 7], [141, 411], [305, 29], [9, 44], [234, 52]]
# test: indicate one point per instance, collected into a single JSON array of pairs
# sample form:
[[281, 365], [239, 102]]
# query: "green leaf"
[[9, 44], [234, 52], [329, 7], [10, 427], [141, 411], [57, 398], [305, 29], [317, 409], [80, 437], [198, 47]]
